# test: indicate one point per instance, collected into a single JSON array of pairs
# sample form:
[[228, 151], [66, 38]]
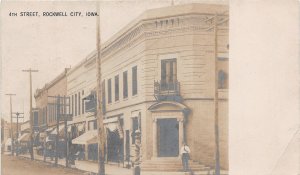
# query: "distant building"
[[45, 101], [6, 134]]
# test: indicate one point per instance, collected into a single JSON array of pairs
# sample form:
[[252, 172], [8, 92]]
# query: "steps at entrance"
[[170, 165]]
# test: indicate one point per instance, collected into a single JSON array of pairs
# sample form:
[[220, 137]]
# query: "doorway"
[[168, 137]]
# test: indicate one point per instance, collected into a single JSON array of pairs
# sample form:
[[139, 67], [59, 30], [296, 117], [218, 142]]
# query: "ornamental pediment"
[[168, 106]]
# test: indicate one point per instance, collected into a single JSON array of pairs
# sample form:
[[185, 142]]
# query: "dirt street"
[[22, 166]]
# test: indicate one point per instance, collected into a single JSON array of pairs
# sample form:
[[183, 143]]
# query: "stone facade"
[[183, 33]]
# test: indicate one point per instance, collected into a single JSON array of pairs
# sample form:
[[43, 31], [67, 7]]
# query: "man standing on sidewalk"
[[185, 156]]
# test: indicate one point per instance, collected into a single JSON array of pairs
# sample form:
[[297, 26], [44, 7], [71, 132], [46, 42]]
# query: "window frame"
[[134, 81], [125, 84], [117, 88]]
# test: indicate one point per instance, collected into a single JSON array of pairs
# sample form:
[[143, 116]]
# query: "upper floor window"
[[125, 85], [103, 97], [82, 103], [134, 81], [117, 88], [72, 104], [222, 80], [168, 71], [79, 103], [75, 104], [109, 91]]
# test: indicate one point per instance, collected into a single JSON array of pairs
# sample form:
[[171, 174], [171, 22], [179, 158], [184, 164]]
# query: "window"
[[109, 90], [72, 104], [95, 124], [79, 103], [222, 80], [75, 104], [125, 85], [117, 88], [168, 71], [134, 80], [82, 103], [135, 126], [103, 97]]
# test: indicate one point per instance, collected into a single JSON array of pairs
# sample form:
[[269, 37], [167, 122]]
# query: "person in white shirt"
[[185, 156]]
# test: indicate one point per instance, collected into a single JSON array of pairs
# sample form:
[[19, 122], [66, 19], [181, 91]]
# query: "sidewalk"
[[86, 166]]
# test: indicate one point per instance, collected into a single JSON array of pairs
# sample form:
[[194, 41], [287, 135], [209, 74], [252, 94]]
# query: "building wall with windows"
[[45, 104], [81, 85], [41, 102], [170, 49], [81, 82], [158, 76]]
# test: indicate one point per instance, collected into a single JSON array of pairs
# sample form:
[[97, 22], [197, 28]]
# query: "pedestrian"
[[185, 156]]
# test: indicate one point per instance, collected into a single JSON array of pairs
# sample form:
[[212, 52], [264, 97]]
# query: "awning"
[[80, 127], [49, 140], [88, 137], [24, 138], [69, 128], [61, 130], [112, 126], [49, 129]]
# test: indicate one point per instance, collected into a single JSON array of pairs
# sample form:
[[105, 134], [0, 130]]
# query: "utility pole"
[[31, 116], [57, 129], [101, 139], [217, 156], [216, 99], [17, 116], [11, 124]]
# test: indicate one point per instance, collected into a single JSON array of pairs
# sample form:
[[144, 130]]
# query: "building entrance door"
[[168, 137], [114, 147]]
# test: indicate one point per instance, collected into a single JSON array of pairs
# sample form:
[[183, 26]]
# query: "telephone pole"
[[217, 168], [17, 116], [11, 124], [216, 93], [31, 116], [101, 139]]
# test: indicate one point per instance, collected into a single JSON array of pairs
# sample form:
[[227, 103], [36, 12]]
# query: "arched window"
[[222, 80]]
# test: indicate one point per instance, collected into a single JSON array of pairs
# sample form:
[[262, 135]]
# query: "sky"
[[50, 44]]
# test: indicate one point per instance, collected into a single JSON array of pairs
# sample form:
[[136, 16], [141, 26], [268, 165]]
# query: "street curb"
[[52, 165]]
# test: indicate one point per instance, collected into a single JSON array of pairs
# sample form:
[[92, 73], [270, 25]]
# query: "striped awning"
[[89, 137]]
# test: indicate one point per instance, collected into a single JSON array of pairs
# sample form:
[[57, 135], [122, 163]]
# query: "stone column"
[[137, 160], [86, 150], [154, 132], [180, 123]]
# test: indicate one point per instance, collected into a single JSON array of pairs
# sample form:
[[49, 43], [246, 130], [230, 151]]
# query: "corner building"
[[158, 75]]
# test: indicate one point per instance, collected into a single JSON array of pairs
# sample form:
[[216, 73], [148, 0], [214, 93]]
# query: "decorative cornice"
[[196, 22]]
